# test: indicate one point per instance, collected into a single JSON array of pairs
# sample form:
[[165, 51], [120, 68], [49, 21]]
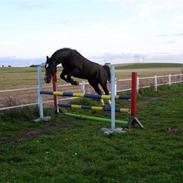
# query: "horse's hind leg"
[[94, 84], [104, 87]]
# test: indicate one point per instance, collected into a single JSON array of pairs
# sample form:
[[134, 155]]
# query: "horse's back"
[[72, 59], [62, 53]]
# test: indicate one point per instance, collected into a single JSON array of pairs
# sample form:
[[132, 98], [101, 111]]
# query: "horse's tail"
[[107, 69]]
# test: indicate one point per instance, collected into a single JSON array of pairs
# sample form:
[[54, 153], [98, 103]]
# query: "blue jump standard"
[[87, 95]]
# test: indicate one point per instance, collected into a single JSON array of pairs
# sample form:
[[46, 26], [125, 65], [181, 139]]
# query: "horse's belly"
[[81, 75]]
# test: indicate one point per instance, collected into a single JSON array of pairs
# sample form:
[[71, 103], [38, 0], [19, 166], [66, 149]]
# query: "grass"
[[149, 65], [16, 77], [76, 151]]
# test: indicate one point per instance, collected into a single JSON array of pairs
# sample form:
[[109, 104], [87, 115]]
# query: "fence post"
[[180, 78], [83, 88], [169, 79], [155, 83]]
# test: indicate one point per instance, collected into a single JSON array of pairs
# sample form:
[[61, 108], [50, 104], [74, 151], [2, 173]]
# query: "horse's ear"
[[47, 58]]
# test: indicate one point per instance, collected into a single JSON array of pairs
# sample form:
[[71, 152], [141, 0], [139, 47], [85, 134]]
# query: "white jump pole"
[[39, 89], [40, 97], [113, 128], [112, 97]]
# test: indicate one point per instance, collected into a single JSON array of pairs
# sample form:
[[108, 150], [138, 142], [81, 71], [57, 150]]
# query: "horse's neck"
[[56, 60]]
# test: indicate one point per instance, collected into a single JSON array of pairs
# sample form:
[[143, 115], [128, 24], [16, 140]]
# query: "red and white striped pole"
[[55, 98]]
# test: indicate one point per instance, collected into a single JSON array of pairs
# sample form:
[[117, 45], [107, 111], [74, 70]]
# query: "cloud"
[[172, 35], [148, 7], [30, 4], [8, 43], [64, 22], [132, 2]]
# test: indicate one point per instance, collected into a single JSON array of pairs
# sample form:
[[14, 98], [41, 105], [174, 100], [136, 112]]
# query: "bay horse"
[[74, 64]]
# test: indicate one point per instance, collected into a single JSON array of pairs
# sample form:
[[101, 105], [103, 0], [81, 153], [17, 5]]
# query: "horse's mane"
[[60, 51], [65, 52]]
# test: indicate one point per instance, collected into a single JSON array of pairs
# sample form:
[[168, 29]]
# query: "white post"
[[40, 97], [39, 89], [155, 83], [180, 79], [82, 85], [112, 97], [169, 79], [116, 86], [113, 128]]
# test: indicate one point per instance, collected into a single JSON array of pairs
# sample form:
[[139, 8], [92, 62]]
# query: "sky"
[[36, 28]]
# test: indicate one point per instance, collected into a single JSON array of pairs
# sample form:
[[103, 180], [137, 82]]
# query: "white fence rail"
[[153, 81]]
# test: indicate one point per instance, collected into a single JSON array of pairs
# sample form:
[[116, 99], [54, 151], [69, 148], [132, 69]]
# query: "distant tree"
[[33, 65]]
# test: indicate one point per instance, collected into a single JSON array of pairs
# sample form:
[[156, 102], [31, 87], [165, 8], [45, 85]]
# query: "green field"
[[25, 77], [150, 65], [68, 150]]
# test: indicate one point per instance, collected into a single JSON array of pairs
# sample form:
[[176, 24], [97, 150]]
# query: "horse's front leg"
[[75, 72], [63, 76], [66, 76], [70, 80]]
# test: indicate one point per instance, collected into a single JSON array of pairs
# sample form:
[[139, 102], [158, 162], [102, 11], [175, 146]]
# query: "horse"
[[74, 64]]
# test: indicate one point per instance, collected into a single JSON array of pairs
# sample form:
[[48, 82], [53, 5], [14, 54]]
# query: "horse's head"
[[107, 69], [50, 69]]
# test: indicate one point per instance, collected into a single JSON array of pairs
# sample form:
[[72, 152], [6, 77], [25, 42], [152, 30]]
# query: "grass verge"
[[71, 150]]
